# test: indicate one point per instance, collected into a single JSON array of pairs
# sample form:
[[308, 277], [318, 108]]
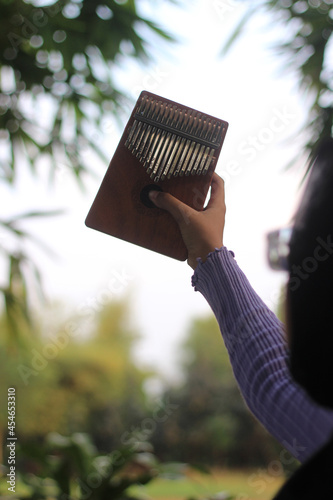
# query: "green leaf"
[[237, 31]]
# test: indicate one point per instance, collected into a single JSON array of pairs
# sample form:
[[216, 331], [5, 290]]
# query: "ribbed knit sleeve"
[[258, 352]]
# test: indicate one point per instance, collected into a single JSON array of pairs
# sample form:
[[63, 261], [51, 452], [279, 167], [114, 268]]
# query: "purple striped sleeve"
[[258, 352]]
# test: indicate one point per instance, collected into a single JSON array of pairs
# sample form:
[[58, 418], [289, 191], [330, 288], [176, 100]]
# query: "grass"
[[254, 484]]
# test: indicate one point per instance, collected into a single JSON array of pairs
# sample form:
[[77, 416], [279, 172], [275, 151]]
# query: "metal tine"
[[159, 133], [136, 123], [206, 134], [139, 147], [196, 130], [206, 151], [147, 130], [160, 161], [217, 135], [164, 119], [180, 145], [214, 136], [189, 146], [184, 144], [211, 132], [151, 146], [174, 142], [194, 147], [203, 160], [208, 161], [172, 122], [205, 127], [209, 153], [194, 154], [131, 132], [156, 133], [137, 136], [210, 156], [203, 133], [186, 157], [151, 134], [165, 153], [172, 162], [208, 130], [198, 160], [145, 112]]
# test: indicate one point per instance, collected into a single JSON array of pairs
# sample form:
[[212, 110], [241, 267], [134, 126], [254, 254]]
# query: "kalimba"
[[165, 146]]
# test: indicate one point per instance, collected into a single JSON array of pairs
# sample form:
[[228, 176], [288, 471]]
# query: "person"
[[265, 353]]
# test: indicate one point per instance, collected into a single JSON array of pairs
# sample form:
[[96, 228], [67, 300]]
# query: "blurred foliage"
[[57, 83], [70, 468], [212, 425], [22, 270], [58, 97], [67, 384], [84, 422], [306, 47]]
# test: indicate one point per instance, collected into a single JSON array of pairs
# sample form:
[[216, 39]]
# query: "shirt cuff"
[[221, 252]]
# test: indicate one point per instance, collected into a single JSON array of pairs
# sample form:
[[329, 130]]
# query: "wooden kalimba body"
[[165, 146]]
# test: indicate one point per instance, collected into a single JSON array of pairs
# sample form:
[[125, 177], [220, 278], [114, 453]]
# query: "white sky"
[[264, 111]]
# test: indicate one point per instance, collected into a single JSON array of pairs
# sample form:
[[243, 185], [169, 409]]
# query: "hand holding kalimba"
[[202, 231]]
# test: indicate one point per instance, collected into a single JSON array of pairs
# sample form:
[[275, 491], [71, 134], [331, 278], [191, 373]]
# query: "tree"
[[67, 384], [306, 37], [63, 54], [212, 425], [57, 89]]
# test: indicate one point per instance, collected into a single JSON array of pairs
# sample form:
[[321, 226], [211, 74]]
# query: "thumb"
[[179, 210]]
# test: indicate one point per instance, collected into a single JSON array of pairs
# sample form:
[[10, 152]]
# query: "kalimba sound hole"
[[144, 194]]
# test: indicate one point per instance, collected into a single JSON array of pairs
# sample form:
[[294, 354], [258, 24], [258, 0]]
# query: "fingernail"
[[153, 194]]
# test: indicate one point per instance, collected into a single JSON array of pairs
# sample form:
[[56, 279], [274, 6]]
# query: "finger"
[[179, 210], [217, 199]]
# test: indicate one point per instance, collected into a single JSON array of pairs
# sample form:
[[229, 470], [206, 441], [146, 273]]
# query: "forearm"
[[255, 341]]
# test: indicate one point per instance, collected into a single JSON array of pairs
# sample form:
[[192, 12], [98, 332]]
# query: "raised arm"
[[253, 335]]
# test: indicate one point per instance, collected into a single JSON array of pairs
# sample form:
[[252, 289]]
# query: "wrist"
[[201, 256]]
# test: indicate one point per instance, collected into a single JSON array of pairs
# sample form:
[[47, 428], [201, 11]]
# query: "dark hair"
[[310, 285]]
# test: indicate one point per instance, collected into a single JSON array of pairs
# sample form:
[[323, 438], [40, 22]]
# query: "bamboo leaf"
[[237, 31], [35, 214]]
